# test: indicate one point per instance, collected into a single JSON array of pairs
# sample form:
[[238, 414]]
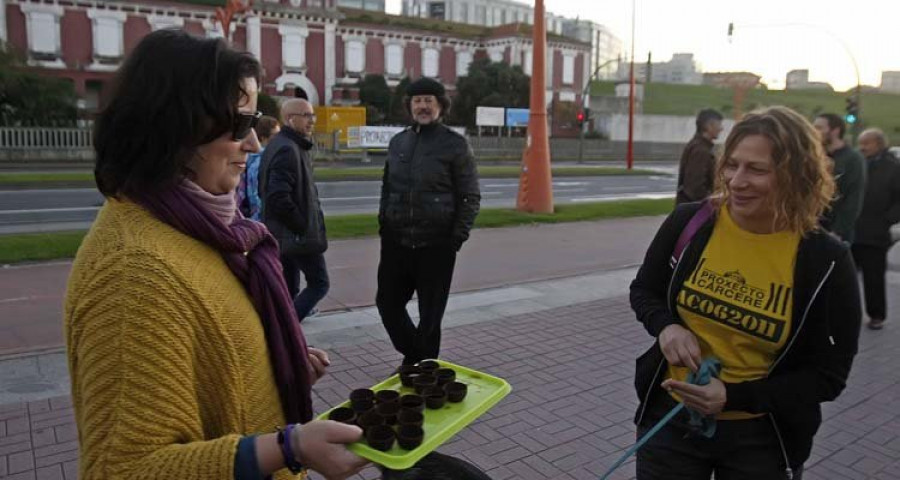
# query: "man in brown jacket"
[[695, 171]]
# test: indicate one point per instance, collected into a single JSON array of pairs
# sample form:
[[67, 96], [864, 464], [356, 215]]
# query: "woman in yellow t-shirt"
[[749, 278]]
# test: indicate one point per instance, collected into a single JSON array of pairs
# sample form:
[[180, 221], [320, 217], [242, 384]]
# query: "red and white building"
[[311, 44]]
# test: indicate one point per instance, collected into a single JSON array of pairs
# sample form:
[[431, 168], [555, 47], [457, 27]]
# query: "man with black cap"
[[429, 201]]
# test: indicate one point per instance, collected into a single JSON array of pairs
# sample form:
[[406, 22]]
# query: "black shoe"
[[876, 324]]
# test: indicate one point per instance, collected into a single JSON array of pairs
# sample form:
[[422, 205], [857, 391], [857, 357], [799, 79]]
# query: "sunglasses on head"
[[243, 123]]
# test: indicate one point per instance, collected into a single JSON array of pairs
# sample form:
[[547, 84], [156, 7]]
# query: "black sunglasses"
[[243, 123]]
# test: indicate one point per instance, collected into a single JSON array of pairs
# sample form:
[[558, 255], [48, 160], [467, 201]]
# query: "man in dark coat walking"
[[695, 170], [880, 210], [290, 205]]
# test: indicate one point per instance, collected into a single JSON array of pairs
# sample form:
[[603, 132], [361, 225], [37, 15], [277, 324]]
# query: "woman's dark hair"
[[174, 93]]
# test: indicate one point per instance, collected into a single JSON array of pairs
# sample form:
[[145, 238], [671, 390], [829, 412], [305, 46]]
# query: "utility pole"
[[629, 156], [585, 97]]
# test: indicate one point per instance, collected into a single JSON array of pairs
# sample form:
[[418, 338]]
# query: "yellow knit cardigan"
[[167, 355]]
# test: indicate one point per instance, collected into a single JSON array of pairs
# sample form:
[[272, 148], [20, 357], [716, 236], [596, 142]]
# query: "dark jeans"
[[739, 450], [872, 261], [316, 275], [426, 271]]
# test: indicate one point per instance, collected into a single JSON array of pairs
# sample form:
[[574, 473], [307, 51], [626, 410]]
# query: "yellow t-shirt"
[[738, 301]]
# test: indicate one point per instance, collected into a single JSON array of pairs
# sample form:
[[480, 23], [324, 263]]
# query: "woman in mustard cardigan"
[[184, 348]]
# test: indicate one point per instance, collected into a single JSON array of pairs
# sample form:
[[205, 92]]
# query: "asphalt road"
[[59, 209]]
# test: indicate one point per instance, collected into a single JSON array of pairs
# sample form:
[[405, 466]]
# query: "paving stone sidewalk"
[[569, 415]]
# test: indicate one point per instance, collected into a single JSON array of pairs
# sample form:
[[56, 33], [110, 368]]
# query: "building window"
[[568, 69], [430, 62], [496, 53], [548, 75], [159, 22], [462, 12], [293, 47], [393, 59], [437, 10], [355, 56], [463, 60], [526, 66], [481, 15], [42, 27], [107, 29]]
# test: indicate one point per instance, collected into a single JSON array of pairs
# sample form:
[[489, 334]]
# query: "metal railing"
[[28, 138]]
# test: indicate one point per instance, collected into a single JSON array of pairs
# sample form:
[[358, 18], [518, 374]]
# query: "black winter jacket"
[[290, 200], [881, 203], [813, 365], [429, 193]]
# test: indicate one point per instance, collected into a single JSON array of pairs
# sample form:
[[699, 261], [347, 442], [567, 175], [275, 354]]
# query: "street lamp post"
[[585, 102], [629, 156]]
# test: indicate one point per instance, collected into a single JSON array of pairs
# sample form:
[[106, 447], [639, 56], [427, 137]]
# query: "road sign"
[[489, 116], [517, 117]]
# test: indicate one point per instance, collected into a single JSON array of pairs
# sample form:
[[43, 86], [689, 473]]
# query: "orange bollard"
[[536, 179]]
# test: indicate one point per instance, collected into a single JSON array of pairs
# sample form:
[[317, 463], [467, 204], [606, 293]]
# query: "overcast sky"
[[770, 36]]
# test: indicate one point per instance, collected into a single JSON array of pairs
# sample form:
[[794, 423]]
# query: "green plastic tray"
[[484, 391]]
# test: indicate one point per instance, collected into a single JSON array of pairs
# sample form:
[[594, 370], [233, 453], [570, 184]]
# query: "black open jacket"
[[810, 369]]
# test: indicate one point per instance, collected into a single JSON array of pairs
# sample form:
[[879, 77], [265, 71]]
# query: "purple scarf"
[[251, 253]]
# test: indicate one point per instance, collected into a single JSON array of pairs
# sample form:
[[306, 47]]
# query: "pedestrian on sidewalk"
[[849, 170], [248, 189], [695, 169], [880, 210], [184, 349], [429, 201], [763, 289], [291, 207]]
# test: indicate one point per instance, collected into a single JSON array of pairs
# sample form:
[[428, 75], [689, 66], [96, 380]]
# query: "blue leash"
[[706, 425]]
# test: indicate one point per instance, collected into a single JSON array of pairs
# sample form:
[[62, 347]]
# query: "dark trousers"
[[872, 261], [739, 450], [426, 271], [316, 274]]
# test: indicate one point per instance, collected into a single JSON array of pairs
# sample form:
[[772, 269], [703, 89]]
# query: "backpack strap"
[[700, 217]]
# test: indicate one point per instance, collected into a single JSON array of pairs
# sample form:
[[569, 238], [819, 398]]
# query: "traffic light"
[[579, 117], [852, 114]]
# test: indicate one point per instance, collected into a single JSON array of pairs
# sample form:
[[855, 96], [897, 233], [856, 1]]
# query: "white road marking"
[[50, 210]]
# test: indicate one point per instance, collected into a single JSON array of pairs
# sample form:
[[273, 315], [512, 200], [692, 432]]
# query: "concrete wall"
[[653, 128]]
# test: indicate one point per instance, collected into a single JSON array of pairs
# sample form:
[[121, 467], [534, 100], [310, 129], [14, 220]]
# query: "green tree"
[[397, 113], [29, 99], [489, 84], [375, 93]]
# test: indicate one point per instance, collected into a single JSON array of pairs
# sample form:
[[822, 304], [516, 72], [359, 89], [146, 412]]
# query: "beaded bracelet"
[[284, 441]]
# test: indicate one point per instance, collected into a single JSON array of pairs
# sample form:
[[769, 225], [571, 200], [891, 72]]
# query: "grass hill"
[[878, 109]]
